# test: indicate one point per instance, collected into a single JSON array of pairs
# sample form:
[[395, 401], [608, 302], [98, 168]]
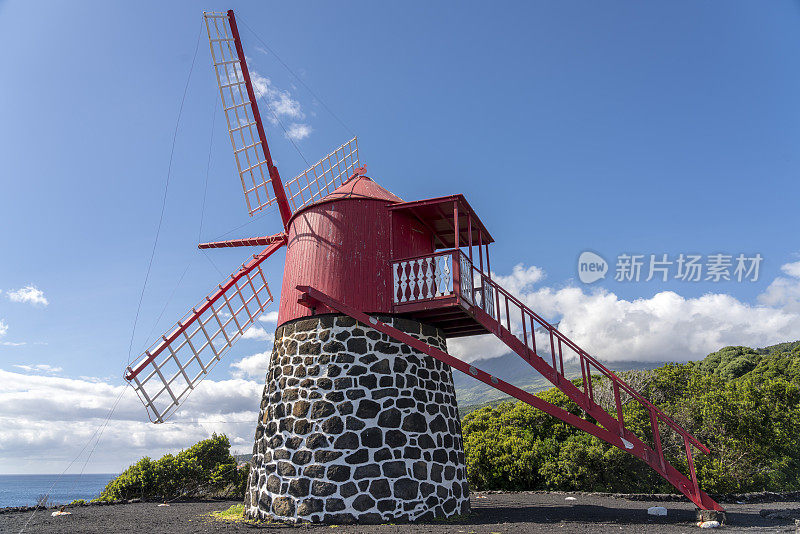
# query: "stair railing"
[[503, 308]]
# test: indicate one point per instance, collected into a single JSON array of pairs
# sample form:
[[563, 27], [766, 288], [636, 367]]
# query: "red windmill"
[[354, 249]]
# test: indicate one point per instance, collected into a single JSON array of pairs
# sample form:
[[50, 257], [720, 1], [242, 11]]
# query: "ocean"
[[24, 490]]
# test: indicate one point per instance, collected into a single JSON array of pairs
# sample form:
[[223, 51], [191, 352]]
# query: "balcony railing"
[[423, 277], [443, 274]]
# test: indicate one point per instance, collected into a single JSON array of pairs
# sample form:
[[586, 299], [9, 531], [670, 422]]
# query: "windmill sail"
[[241, 112], [168, 371], [323, 177]]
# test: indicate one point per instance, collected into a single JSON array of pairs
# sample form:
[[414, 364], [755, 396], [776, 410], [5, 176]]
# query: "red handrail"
[[554, 332]]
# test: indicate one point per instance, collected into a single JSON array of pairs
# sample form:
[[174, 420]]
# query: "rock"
[[348, 440], [394, 469], [298, 487], [367, 409], [363, 502], [406, 489], [323, 489], [415, 422], [372, 437], [309, 506], [334, 425], [321, 409], [657, 510], [283, 506], [390, 418]]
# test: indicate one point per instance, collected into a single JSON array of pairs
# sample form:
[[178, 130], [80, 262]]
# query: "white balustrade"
[[428, 277], [423, 278], [467, 282]]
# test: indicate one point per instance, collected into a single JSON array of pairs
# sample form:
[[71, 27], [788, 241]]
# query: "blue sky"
[[614, 127]]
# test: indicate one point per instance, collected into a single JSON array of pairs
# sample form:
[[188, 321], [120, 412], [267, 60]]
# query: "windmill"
[[358, 419]]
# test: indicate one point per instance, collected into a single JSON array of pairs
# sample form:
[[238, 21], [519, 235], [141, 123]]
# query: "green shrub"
[[743, 404], [206, 468]]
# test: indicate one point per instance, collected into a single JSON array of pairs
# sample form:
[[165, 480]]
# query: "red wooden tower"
[[355, 249]]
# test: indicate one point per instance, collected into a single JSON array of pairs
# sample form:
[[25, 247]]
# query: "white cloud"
[[521, 278], [257, 333], [279, 100], [3, 330], [792, 269], [254, 366], [784, 292], [282, 105], [665, 327], [46, 420], [297, 131], [271, 317], [40, 368], [29, 294]]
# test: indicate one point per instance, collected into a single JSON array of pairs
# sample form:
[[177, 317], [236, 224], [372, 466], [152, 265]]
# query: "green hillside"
[[743, 403], [473, 394]]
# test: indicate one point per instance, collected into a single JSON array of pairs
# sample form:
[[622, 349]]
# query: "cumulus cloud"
[[29, 294], [254, 366], [281, 105], [665, 327], [297, 131], [271, 317], [784, 292], [257, 333], [45, 421], [3, 328], [521, 278]]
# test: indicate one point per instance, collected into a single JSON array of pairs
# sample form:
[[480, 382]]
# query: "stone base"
[[355, 427]]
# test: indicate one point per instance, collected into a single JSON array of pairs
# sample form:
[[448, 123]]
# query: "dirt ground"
[[492, 513]]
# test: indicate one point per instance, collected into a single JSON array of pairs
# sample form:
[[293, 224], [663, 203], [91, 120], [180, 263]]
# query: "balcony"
[[440, 289]]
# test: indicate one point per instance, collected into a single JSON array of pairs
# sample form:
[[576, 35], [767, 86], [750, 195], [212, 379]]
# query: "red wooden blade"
[[176, 363], [246, 242]]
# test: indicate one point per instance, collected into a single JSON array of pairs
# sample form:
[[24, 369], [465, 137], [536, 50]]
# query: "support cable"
[[329, 110], [101, 428], [164, 198]]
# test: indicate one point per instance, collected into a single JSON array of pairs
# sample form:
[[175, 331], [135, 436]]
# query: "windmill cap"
[[362, 187], [359, 187]]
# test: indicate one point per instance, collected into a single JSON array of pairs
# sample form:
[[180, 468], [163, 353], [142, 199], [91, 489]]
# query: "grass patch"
[[235, 513]]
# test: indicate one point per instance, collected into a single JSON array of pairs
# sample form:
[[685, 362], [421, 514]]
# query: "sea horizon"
[[27, 489]]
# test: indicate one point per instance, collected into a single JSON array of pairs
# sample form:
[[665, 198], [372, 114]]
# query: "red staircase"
[[530, 336]]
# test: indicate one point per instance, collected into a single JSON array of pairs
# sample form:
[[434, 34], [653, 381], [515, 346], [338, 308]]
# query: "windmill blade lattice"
[[240, 113], [323, 177], [168, 371]]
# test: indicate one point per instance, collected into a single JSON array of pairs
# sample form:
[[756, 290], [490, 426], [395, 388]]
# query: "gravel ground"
[[493, 513]]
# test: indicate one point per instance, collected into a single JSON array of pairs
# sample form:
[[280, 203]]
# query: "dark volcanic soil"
[[505, 513]]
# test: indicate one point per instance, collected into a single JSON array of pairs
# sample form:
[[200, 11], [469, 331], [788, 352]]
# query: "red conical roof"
[[362, 187]]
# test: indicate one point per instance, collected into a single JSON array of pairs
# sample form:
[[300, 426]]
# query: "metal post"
[[657, 438], [618, 402], [469, 234], [480, 249], [455, 225], [275, 178], [690, 460]]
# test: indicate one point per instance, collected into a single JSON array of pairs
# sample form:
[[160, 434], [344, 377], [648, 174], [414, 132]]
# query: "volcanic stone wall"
[[355, 426]]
